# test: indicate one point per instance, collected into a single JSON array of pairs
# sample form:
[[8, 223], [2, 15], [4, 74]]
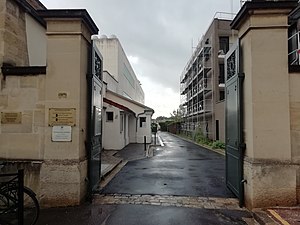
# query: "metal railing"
[[18, 204], [294, 49], [11, 195]]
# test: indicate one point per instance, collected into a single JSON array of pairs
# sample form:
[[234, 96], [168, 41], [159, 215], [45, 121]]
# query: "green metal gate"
[[94, 118], [234, 123]]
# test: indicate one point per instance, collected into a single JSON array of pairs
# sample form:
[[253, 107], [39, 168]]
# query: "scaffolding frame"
[[196, 87]]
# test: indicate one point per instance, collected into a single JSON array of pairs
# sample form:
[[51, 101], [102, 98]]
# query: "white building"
[[125, 117]]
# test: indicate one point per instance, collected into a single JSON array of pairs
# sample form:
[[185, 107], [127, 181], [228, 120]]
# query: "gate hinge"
[[242, 146], [243, 181], [241, 76], [89, 76]]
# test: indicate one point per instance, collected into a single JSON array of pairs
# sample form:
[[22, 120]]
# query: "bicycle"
[[13, 209]]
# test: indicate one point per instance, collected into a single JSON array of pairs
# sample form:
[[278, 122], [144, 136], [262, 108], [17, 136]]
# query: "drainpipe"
[[242, 145]]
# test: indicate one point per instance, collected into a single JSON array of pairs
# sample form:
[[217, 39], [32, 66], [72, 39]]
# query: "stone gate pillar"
[[64, 171], [269, 168]]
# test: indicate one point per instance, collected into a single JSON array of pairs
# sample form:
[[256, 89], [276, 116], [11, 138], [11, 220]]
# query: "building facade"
[[202, 81], [125, 117], [47, 120]]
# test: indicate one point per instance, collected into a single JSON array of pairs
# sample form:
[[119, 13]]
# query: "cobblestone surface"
[[168, 200]]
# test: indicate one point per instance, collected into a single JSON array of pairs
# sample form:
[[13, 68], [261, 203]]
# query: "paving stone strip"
[[168, 200]]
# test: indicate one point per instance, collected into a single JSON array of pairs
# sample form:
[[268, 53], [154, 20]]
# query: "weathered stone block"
[[267, 197], [1, 43], [14, 38], [61, 183], [295, 115], [25, 98], [12, 8], [2, 6], [61, 171], [39, 118], [20, 146], [54, 194], [28, 82], [3, 101], [269, 184], [40, 105], [298, 185], [295, 140], [11, 25], [41, 88], [12, 82]]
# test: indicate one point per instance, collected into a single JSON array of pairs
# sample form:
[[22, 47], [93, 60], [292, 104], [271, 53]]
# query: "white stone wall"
[[113, 138], [116, 63], [36, 42], [144, 130]]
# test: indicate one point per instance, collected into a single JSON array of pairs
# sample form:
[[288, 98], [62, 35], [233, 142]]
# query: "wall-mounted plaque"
[[62, 116], [11, 117], [61, 133]]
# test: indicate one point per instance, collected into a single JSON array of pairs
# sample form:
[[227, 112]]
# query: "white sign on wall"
[[61, 133]]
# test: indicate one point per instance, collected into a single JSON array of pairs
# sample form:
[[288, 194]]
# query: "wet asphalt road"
[[179, 168], [140, 215]]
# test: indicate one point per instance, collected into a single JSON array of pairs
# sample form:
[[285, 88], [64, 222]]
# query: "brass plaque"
[[11, 117], [62, 116]]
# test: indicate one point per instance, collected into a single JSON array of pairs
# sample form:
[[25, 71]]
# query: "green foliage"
[[201, 139], [161, 118], [218, 145], [177, 115], [164, 125]]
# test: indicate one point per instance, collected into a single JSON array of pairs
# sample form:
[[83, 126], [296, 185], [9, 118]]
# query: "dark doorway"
[[217, 130]]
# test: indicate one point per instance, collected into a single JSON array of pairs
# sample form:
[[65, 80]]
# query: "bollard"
[[145, 140], [155, 138]]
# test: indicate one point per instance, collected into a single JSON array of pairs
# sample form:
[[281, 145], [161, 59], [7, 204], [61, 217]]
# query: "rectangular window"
[[224, 44], [142, 121], [109, 116], [221, 74]]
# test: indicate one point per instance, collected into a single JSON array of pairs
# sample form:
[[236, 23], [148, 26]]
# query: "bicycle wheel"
[[31, 207], [8, 212]]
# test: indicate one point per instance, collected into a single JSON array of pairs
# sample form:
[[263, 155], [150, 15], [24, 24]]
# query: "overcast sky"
[[157, 37]]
